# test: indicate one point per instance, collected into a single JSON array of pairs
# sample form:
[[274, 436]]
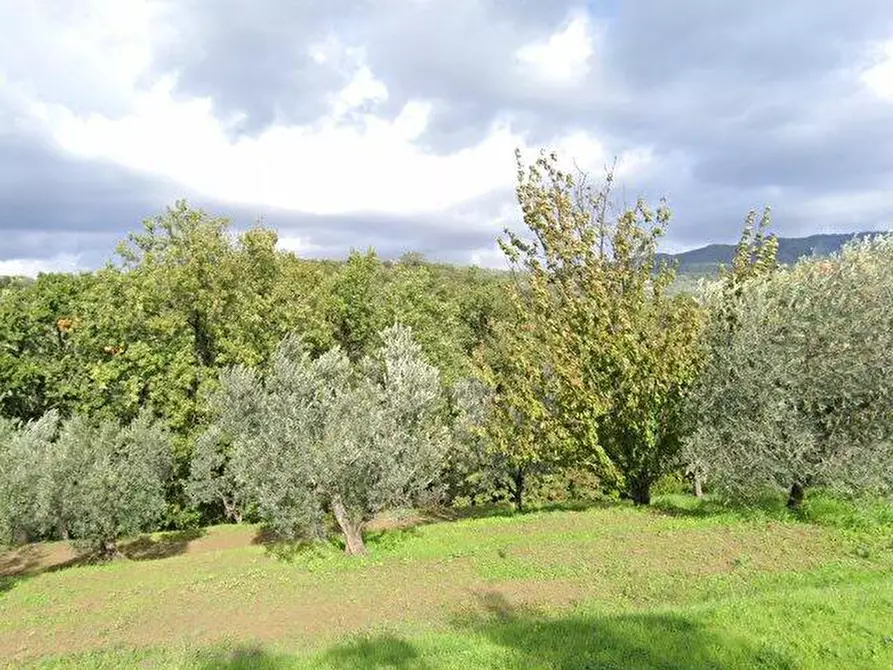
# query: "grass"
[[686, 584]]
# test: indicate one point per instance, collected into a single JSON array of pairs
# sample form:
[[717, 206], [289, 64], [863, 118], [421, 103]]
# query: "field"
[[682, 585]]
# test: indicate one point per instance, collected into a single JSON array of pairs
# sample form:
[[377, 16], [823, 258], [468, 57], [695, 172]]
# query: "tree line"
[[203, 376]]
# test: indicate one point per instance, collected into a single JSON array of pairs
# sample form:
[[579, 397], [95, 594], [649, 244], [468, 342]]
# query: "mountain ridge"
[[708, 259]]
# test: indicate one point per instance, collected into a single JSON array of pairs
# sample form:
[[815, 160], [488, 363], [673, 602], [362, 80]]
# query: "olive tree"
[[756, 257], [26, 487], [321, 435], [91, 482], [110, 479], [218, 467], [798, 391]]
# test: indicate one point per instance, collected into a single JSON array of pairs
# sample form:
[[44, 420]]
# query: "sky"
[[393, 123]]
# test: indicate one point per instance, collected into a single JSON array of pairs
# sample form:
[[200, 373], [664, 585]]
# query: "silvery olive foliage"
[[314, 435], [218, 469], [797, 387], [77, 479], [111, 478], [26, 487]]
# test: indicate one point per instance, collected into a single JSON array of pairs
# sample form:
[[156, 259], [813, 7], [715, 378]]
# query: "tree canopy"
[[206, 375]]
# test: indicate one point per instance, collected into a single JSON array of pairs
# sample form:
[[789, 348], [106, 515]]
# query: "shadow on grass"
[[21, 563], [765, 508], [30, 560], [501, 635], [7, 582], [504, 509], [504, 636], [820, 508], [245, 658], [688, 506], [163, 545], [290, 550], [383, 651]]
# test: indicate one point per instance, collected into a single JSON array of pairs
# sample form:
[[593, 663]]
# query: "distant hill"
[[707, 260]]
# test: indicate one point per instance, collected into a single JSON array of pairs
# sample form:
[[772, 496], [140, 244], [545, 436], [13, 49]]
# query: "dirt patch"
[[232, 537], [32, 559]]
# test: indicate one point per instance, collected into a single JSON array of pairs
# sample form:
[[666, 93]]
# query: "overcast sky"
[[392, 123]]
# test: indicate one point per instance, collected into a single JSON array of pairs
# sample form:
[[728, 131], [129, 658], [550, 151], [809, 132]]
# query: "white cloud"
[[31, 267], [363, 88], [325, 168], [879, 78], [564, 57], [298, 245], [492, 257]]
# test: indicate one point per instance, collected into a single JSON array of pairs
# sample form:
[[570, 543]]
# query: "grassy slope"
[[598, 588]]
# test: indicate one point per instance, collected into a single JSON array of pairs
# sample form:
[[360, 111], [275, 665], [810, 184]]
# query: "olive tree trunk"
[[795, 497], [107, 549], [517, 489], [640, 491], [353, 532]]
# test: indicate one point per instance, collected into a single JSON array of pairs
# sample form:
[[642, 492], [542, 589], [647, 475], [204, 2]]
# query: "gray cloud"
[[252, 56], [756, 94], [51, 203], [449, 235], [253, 59]]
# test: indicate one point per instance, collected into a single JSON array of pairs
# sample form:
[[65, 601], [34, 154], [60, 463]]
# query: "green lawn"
[[680, 586]]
